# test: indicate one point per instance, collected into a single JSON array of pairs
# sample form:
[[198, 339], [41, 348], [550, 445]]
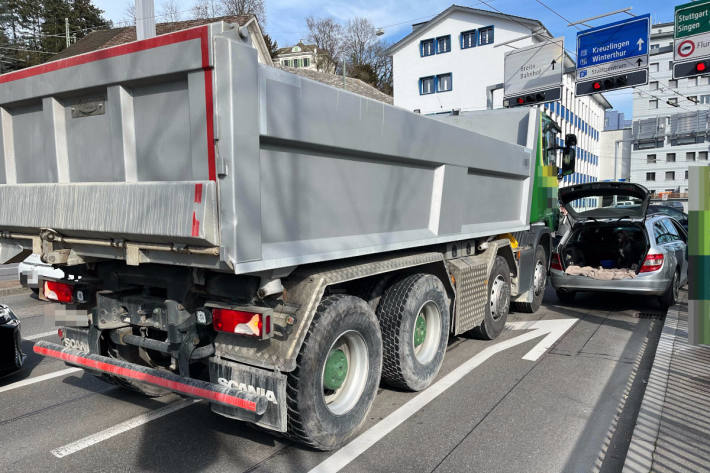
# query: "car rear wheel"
[[669, 298]]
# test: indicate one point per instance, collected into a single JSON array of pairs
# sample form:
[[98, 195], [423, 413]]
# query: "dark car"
[[11, 356], [674, 212]]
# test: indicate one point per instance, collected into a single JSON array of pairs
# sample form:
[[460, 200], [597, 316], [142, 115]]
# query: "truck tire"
[[414, 319], [337, 374], [538, 285], [498, 304], [669, 298]]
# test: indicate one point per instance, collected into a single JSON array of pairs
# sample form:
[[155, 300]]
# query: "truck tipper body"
[[234, 232]]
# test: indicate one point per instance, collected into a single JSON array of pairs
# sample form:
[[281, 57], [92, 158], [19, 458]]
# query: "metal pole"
[[343, 72], [66, 30], [616, 149], [145, 19]]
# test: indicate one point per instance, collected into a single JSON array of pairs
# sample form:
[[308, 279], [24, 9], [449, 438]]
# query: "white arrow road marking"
[[37, 379], [554, 328], [122, 427], [371, 436]]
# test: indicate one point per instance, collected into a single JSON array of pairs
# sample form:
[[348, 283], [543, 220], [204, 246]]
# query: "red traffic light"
[[700, 67], [521, 100], [597, 85]]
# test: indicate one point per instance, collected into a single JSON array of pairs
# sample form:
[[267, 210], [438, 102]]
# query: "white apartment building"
[[670, 126], [450, 63]]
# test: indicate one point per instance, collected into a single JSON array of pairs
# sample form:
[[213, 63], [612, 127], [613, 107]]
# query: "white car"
[[32, 268]]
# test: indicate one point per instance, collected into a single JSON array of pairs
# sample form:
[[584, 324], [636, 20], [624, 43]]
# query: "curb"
[[14, 290], [639, 457]]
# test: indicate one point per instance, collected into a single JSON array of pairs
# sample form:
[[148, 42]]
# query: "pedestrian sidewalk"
[[9, 288], [672, 432]]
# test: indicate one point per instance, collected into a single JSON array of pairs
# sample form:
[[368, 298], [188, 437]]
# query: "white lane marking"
[[341, 458], [37, 379], [40, 335], [556, 328], [121, 428]]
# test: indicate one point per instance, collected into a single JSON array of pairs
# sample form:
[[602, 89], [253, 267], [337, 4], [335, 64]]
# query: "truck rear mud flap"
[[215, 393]]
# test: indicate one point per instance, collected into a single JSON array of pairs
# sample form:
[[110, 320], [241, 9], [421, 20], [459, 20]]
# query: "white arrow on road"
[[553, 329], [640, 43]]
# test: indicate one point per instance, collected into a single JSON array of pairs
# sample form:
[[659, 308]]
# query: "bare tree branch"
[[169, 11], [245, 7], [327, 35]]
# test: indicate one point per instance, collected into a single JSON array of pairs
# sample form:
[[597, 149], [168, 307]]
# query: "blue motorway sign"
[[613, 42]]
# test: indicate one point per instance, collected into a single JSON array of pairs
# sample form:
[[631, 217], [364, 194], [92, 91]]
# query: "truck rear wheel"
[[539, 282], [414, 318], [498, 304], [337, 374]]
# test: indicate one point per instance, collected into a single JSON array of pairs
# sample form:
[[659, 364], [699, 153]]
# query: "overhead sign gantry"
[[533, 75], [613, 56]]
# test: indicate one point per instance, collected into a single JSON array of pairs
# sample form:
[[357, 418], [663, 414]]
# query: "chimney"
[[145, 19]]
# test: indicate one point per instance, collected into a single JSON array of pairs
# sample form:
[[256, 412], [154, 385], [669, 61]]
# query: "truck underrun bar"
[[189, 387]]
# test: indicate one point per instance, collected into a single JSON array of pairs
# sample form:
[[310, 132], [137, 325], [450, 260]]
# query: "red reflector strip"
[[198, 193], [148, 378], [195, 225]]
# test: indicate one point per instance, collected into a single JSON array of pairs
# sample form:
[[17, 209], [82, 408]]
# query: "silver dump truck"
[[233, 232]]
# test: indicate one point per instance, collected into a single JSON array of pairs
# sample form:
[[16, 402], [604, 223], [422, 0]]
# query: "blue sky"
[[285, 20]]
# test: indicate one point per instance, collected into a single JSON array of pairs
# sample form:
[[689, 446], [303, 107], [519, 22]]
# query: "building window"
[[673, 84], [443, 44], [650, 159], [468, 39], [692, 81], [703, 155], [306, 62], [653, 103], [654, 67], [670, 175], [650, 176], [655, 47], [653, 85], [485, 36], [690, 156], [426, 85], [670, 157], [705, 99], [426, 47], [287, 62], [296, 63], [686, 175], [443, 82]]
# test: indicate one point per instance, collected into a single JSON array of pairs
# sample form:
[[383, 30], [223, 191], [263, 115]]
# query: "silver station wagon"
[[613, 245]]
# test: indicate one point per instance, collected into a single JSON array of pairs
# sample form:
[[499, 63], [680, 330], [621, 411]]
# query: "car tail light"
[[57, 291], [556, 263], [243, 323], [653, 262]]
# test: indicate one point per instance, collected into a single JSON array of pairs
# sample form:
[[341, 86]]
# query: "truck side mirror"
[[569, 155]]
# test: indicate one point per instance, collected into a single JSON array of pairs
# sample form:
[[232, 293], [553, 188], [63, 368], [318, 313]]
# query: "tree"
[[129, 15], [360, 37], [203, 9], [327, 35], [271, 45], [169, 11], [245, 7]]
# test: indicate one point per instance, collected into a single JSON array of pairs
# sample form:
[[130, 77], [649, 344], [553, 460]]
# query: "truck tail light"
[[556, 263], [653, 262], [57, 291], [242, 323]]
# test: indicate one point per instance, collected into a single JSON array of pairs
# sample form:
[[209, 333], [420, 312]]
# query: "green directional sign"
[[692, 18]]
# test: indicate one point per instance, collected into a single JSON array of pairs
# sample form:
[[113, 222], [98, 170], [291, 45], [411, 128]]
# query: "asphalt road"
[[503, 414]]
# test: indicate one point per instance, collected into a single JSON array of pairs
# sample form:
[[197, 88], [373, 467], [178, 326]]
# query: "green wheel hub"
[[419, 330], [336, 370]]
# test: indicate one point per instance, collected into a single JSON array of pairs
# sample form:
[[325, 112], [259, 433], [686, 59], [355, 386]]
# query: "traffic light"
[[607, 84], [690, 69], [533, 98]]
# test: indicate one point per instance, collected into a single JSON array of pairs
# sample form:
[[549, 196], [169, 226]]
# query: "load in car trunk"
[[599, 250]]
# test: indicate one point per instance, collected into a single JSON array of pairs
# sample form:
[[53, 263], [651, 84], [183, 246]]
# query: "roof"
[[106, 38], [351, 84], [419, 28], [304, 48]]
